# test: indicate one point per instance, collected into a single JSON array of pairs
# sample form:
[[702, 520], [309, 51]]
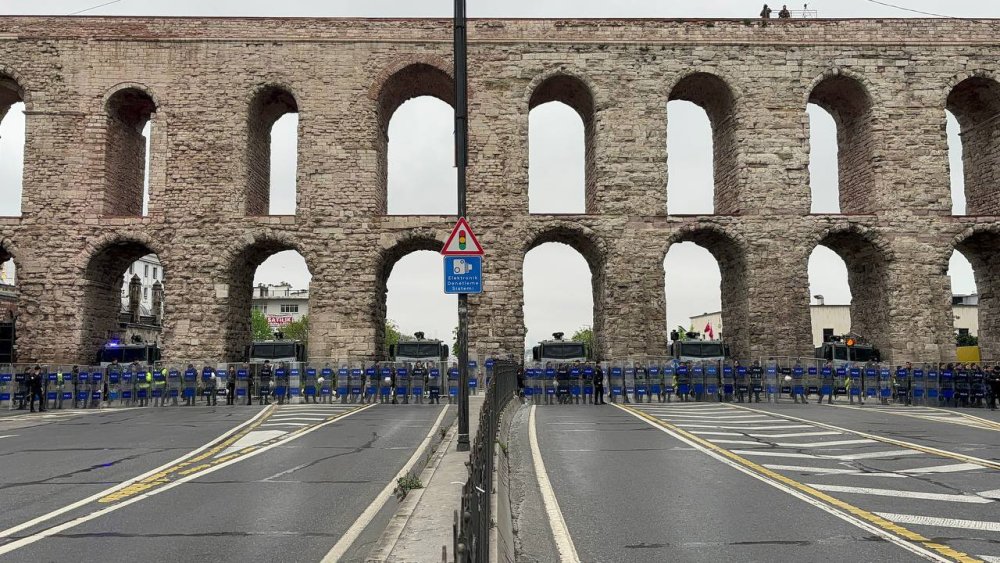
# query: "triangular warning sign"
[[462, 241]]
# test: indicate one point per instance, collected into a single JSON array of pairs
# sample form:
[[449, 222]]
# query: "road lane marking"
[[893, 441], [9, 436], [796, 445], [874, 455], [560, 531], [766, 453], [989, 558], [339, 549], [226, 435], [970, 499], [251, 439], [719, 417], [935, 415], [883, 527], [830, 471], [727, 427], [796, 434], [950, 468], [994, 494], [210, 468], [737, 442], [711, 433], [941, 522]]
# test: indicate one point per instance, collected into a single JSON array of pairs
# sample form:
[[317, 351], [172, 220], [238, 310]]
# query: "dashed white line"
[[737, 442], [796, 434], [984, 526], [765, 453], [728, 427], [994, 494], [969, 499], [825, 444], [875, 455], [830, 471], [711, 433]]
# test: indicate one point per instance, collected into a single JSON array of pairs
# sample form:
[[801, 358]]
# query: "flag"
[[709, 331]]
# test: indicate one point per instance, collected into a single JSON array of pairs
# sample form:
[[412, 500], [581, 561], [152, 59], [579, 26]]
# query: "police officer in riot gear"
[[264, 383], [827, 382], [231, 387], [977, 386], [993, 382], [742, 385], [901, 383], [599, 385], [642, 374], [756, 382], [212, 388], [35, 385], [562, 384], [419, 376]]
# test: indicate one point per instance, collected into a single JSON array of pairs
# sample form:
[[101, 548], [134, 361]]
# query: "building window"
[[156, 272], [145, 293], [827, 334], [145, 271], [289, 308], [963, 332]]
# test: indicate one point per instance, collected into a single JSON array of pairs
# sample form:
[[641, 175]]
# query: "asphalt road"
[[710, 482], [284, 486]]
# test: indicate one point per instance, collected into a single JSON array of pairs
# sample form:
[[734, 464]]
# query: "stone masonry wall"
[[345, 77]]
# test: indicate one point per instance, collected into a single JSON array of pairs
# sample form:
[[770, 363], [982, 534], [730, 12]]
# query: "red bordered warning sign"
[[462, 241]]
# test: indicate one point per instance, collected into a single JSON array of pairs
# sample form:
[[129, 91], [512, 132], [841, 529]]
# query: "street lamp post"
[[461, 160]]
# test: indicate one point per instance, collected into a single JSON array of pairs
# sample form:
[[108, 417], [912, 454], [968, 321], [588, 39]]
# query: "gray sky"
[[422, 180]]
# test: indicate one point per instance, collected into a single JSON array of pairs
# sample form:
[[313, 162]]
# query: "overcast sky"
[[422, 179]]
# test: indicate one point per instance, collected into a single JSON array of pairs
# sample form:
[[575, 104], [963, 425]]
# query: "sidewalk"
[[423, 523]]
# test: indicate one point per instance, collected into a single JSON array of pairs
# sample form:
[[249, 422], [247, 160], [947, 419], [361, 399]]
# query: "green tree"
[[393, 336], [585, 335], [297, 330], [966, 340], [259, 328]]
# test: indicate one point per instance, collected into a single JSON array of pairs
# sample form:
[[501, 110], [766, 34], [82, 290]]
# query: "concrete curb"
[[432, 454]]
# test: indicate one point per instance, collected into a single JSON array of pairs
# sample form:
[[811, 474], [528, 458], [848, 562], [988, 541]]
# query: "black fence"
[[472, 524]]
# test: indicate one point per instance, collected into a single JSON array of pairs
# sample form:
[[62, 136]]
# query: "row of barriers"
[[667, 379], [65, 386]]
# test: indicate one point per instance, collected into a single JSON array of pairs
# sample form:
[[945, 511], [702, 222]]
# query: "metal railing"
[[471, 529]]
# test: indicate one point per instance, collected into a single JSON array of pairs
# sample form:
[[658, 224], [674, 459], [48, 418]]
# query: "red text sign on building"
[[462, 241]]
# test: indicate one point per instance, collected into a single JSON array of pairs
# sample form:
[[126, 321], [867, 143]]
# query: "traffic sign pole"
[[461, 160]]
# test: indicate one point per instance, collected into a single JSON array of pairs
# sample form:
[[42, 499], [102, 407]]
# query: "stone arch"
[[391, 251], [127, 109], [267, 103], [13, 90], [729, 248], [577, 93], [101, 265], [717, 97], [594, 250], [401, 82], [868, 257], [980, 245], [239, 263], [847, 97], [974, 100]]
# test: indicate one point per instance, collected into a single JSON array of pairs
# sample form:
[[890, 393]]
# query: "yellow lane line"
[[941, 549], [908, 445]]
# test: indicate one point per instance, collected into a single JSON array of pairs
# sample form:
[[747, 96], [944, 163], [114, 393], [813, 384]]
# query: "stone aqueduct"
[[213, 87]]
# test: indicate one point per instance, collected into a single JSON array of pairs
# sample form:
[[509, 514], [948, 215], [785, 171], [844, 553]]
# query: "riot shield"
[[870, 381], [655, 380], [684, 386], [918, 388], [800, 382], [640, 382], [840, 381], [159, 388], [474, 376], [293, 394], [884, 383], [385, 376], [931, 390], [189, 385], [242, 384], [6, 385], [669, 380], [309, 385], [174, 385], [616, 379], [713, 380], [576, 383], [947, 384], [404, 382], [742, 383], [771, 370], [813, 379], [854, 387], [901, 386], [326, 383], [698, 381], [434, 383], [120, 384], [587, 373]]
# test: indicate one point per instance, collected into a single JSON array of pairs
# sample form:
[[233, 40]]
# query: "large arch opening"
[[268, 296], [691, 181], [130, 115], [830, 295], [408, 300], [867, 293], [706, 288], [563, 281], [124, 296], [272, 152], [975, 105], [12, 135], [964, 300], [561, 162], [8, 306], [980, 250], [416, 144], [824, 181], [848, 103], [716, 99]]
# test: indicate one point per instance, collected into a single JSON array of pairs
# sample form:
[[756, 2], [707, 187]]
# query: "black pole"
[[461, 160]]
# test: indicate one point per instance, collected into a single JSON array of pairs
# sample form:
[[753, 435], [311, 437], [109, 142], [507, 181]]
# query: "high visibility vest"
[[59, 378]]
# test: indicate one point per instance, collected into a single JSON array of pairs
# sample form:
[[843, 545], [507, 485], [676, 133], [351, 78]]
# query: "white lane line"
[[73, 506], [824, 444], [830, 471], [294, 418], [994, 494], [560, 532], [874, 455], [765, 453], [796, 434], [9, 436], [941, 522], [718, 416], [292, 424], [728, 427], [251, 439], [337, 552], [969, 499], [710, 433], [737, 442], [896, 540], [989, 558], [950, 468]]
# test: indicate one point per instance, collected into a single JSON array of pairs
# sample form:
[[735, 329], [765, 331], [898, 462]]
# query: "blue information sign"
[[463, 274]]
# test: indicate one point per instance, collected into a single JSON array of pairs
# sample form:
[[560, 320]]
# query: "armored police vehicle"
[[559, 350], [419, 350], [145, 354], [277, 351], [850, 349], [699, 350]]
